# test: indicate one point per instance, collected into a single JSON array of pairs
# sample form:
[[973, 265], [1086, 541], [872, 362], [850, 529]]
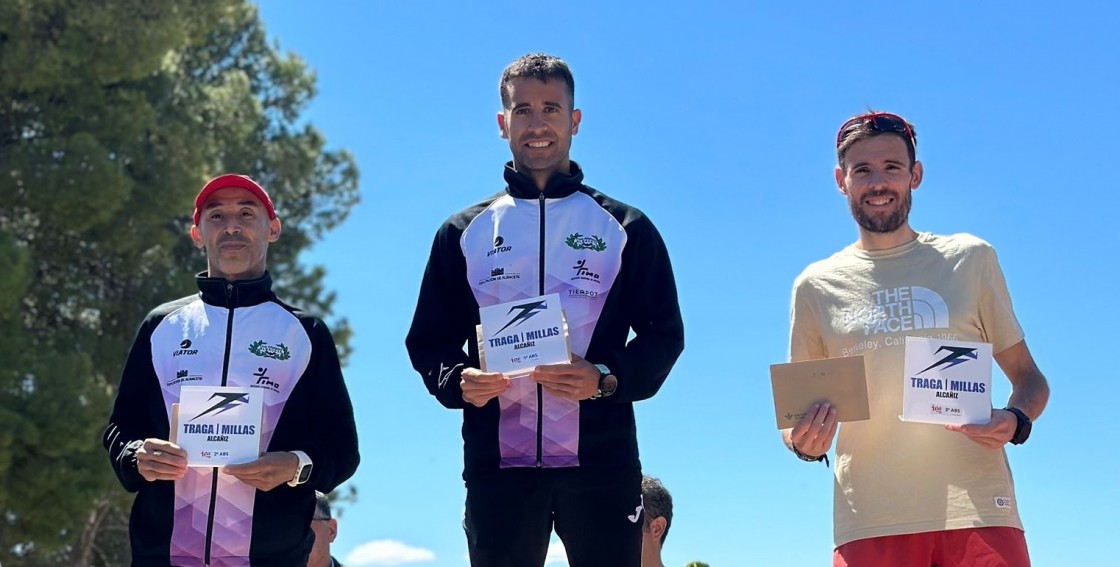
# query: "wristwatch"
[[608, 382], [808, 458], [1023, 429], [303, 471]]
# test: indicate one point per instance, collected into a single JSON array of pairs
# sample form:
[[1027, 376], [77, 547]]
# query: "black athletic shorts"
[[597, 514]]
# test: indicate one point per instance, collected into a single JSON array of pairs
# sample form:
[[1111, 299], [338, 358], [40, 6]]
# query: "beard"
[[881, 224]]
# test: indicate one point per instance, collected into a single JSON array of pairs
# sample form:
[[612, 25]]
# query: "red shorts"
[[972, 547]]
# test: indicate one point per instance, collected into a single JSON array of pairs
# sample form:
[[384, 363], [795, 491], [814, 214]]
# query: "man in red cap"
[[235, 333]]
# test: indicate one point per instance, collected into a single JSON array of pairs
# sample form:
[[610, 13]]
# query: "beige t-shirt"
[[895, 477]]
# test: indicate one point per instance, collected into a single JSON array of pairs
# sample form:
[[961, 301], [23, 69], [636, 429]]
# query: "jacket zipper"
[[225, 375], [540, 390]]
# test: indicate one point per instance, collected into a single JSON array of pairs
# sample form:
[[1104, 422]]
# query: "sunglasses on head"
[[878, 122]]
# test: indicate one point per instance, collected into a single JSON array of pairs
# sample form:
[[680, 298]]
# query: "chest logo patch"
[[900, 309], [265, 350], [578, 241]]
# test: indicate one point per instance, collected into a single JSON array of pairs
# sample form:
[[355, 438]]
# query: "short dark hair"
[[857, 130], [657, 503], [539, 66], [322, 506]]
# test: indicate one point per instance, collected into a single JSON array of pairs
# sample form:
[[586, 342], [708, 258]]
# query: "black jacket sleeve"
[[133, 418], [647, 296], [445, 318], [331, 437]]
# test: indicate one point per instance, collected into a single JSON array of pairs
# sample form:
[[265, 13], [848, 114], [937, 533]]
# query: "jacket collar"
[[520, 186], [239, 293]]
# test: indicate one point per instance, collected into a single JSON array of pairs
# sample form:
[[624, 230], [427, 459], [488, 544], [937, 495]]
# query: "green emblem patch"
[[581, 242], [265, 350]]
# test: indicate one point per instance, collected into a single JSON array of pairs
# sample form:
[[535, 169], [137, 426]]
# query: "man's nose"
[[537, 121], [877, 180]]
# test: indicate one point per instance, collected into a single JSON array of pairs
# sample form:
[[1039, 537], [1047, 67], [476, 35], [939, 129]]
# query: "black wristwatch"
[[1023, 429], [808, 458], [608, 382]]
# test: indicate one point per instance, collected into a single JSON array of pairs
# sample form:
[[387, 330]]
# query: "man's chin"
[[880, 223]]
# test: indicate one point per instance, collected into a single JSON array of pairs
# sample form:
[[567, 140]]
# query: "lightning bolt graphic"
[[528, 310], [229, 400], [957, 355]]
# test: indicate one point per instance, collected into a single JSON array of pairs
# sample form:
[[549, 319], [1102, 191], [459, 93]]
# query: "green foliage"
[[114, 114]]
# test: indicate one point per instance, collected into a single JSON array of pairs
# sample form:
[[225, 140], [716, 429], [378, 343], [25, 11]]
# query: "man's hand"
[[271, 470], [480, 387], [813, 435], [577, 380], [158, 459], [992, 435]]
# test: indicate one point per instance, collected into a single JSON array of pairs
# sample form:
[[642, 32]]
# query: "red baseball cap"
[[232, 180]]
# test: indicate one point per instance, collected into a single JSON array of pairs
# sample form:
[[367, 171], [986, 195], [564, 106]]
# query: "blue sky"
[[718, 119]]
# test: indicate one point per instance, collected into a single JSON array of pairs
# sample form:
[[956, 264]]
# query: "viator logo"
[[185, 349], [499, 247]]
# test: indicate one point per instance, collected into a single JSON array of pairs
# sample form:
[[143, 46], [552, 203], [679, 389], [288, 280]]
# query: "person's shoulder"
[[627, 215], [826, 267], [958, 244], [304, 316], [462, 218], [174, 306]]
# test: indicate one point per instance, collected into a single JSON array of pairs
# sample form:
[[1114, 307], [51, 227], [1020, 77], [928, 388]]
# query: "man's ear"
[[196, 236], [840, 181], [916, 173], [502, 125], [274, 229], [657, 527], [332, 530]]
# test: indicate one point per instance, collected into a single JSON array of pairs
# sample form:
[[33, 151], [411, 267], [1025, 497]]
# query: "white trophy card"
[[516, 336], [219, 425], [947, 381]]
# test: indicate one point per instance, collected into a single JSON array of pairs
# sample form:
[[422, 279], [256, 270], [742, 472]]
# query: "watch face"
[[610, 384], [304, 474]]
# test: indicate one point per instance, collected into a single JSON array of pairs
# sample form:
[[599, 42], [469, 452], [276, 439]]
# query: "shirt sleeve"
[[443, 322], [653, 312], [805, 339], [333, 441], [132, 419], [997, 317]]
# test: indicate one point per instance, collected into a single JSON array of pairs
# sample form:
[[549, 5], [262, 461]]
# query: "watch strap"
[[1022, 426], [603, 373], [304, 461], [808, 458]]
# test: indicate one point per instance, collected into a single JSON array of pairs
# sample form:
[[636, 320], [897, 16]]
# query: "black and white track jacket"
[[232, 334], [611, 269]]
